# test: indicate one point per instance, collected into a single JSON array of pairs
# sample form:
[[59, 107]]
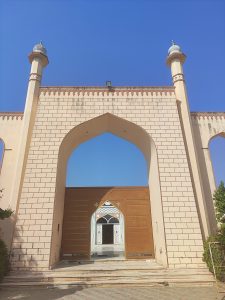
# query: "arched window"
[[101, 221], [107, 217], [113, 221]]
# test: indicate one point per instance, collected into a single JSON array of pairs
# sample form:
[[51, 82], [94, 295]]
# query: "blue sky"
[[125, 41], [127, 165]]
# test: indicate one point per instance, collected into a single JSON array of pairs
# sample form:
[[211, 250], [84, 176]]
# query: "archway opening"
[[117, 165], [136, 248], [106, 160], [217, 151]]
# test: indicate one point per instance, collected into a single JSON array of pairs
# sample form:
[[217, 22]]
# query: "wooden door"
[[81, 203]]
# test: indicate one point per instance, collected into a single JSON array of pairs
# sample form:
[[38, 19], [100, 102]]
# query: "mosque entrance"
[[107, 232]]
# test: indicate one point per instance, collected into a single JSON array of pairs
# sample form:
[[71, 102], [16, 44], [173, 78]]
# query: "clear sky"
[[125, 41], [112, 161]]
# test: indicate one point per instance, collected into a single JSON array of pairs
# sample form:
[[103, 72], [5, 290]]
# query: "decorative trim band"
[[11, 115], [208, 115], [195, 115], [178, 77], [91, 90], [35, 76]]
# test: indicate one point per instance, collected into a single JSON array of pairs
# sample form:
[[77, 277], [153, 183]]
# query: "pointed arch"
[[128, 131], [221, 133], [214, 139], [107, 123]]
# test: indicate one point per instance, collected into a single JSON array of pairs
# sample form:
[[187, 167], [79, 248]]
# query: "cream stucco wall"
[[59, 111], [10, 132], [206, 126]]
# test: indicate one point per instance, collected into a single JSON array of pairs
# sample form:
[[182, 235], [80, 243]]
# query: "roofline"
[[16, 113], [193, 113], [108, 88], [208, 114]]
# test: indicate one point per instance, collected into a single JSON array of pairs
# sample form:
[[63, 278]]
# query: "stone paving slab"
[[115, 293]]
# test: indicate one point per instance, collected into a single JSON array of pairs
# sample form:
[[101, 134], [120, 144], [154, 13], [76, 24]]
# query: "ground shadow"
[[37, 293]]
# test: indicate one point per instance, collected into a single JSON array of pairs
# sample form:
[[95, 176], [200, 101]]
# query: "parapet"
[[11, 115]]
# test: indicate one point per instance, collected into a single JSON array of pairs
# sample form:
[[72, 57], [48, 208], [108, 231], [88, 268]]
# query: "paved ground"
[[119, 293]]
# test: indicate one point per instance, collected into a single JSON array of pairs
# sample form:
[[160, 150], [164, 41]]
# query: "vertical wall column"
[[209, 168], [175, 60], [38, 60]]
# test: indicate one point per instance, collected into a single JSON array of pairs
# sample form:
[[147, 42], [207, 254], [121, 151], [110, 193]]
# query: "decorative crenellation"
[[208, 115], [209, 125], [104, 91], [11, 115]]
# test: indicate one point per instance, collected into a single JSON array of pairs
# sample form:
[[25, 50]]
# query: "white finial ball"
[[40, 48], [174, 49]]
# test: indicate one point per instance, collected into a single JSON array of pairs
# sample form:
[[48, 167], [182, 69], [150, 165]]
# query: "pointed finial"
[[173, 43]]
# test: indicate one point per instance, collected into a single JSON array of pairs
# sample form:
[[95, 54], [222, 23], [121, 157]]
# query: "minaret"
[[175, 60], [38, 59]]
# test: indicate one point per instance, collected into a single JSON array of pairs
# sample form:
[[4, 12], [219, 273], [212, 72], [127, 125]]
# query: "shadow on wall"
[[19, 259], [6, 230]]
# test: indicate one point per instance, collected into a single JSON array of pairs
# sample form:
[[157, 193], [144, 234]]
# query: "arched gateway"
[[169, 219], [135, 134]]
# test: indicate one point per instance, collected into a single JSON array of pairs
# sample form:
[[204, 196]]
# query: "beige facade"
[[10, 132], [156, 119]]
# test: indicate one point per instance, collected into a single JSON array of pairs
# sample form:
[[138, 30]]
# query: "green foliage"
[[218, 245], [4, 257], [221, 234], [4, 260], [219, 198], [218, 254], [5, 213]]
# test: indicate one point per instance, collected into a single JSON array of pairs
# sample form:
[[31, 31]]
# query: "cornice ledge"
[[11, 115], [208, 115], [104, 90]]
